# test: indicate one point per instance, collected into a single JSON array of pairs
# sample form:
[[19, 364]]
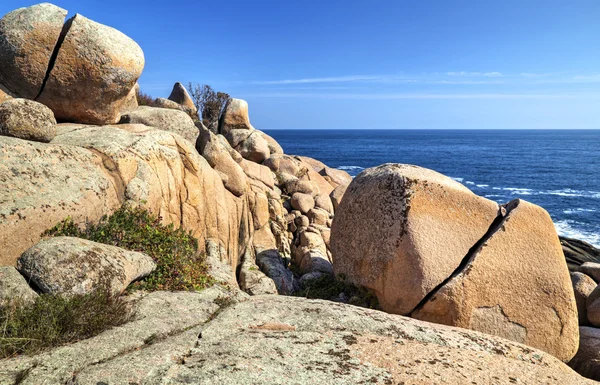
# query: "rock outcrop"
[[583, 286], [66, 265], [26, 119], [297, 340], [28, 37], [430, 248], [587, 360]]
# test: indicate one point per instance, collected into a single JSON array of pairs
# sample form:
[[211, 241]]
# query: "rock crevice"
[[504, 212], [54, 55]]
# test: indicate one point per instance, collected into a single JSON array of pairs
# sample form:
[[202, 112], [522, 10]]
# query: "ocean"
[[556, 169]]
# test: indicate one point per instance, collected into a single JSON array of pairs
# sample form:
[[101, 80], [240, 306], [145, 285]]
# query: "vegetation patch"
[[180, 266], [53, 320], [330, 288]]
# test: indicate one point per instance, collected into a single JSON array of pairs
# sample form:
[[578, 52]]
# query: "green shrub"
[[180, 266], [53, 320], [329, 288]]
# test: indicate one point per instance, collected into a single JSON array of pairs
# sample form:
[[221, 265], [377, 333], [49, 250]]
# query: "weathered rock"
[[165, 119], [167, 103], [281, 163], [482, 295], [235, 117], [13, 286], [251, 279], [165, 328], [254, 148], [274, 266], [578, 252], [487, 259], [90, 171], [42, 184], [26, 119], [4, 94], [274, 147], [319, 342], [338, 177], [315, 165], [302, 221], [27, 39], [315, 261], [301, 186], [259, 207], [587, 360], [593, 313], [258, 172], [180, 96], [308, 174], [66, 265], [318, 216], [131, 100], [582, 286], [324, 202], [219, 158], [302, 202], [402, 230], [337, 194], [95, 70], [591, 269]]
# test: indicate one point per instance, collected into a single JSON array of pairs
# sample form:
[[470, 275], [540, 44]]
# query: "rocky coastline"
[[427, 282]]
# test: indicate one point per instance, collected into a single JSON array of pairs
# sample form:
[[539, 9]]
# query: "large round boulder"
[[67, 265], [401, 230], [430, 248], [95, 70], [27, 39], [26, 119]]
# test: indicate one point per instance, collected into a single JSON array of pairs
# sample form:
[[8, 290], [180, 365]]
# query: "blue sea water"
[[556, 169]]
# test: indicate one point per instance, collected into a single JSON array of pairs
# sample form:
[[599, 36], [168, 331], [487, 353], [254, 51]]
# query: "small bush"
[[180, 266], [329, 288], [144, 99], [209, 103], [53, 320]]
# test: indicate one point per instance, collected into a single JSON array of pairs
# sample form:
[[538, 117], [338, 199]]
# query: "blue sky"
[[385, 64]]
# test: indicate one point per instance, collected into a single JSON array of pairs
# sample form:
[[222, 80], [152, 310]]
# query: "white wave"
[[566, 228], [496, 188], [567, 192], [457, 179], [579, 210], [469, 182], [350, 168], [483, 185], [493, 196]]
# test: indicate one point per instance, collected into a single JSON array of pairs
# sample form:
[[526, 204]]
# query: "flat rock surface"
[[164, 330], [217, 337]]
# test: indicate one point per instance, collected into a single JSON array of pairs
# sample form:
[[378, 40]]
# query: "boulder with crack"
[[428, 247]]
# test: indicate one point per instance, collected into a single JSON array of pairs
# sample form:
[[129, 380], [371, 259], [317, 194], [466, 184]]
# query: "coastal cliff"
[[458, 275]]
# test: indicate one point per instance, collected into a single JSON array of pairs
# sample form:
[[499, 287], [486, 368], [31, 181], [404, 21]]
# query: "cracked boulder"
[[67, 265], [27, 39], [401, 230], [94, 71], [430, 248]]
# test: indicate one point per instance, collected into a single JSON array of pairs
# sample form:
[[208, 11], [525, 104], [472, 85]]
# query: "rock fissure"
[[504, 212], [55, 51]]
